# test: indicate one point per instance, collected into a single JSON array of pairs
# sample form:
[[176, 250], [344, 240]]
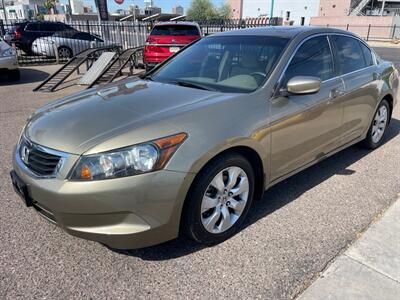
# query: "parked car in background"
[[8, 60], [166, 39], [67, 43], [26, 33], [189, 146], [8, 35]]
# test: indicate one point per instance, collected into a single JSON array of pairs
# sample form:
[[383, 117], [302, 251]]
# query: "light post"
[[134, 12], [4, 10], [271, 12]]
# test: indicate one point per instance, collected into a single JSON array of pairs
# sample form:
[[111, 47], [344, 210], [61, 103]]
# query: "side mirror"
[[301, 85]]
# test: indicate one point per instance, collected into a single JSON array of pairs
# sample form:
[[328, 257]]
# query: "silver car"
[[67, 44], [9, 60]]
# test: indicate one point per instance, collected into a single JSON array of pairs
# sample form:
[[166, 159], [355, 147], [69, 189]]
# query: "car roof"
[[282, 31]]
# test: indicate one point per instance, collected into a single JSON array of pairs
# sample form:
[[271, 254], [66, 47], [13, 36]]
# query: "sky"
[[166, 5]]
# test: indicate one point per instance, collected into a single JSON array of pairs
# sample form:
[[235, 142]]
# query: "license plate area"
[[21, 189], [174, 49]]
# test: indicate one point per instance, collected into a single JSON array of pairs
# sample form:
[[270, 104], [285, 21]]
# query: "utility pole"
[[4, 10], [134, 12], [271, 12]]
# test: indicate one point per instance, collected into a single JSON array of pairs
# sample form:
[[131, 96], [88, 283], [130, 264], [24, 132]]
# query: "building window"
[[334, 5], [302, 21]]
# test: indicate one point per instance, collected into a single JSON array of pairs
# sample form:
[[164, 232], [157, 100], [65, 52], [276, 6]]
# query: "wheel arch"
[[250, 153], [389, 98]]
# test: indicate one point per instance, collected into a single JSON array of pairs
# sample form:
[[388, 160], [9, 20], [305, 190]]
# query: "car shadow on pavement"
[[273, 199], [27, 76]]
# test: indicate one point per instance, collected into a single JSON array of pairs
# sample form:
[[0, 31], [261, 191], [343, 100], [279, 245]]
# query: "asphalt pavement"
[[369, 269], [299, 227]]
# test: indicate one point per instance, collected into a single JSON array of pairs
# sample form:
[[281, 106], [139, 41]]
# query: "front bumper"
[[125, 213], [9, 63]]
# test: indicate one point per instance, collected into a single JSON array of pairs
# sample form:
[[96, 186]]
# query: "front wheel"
[[378, 127], [219, 200]]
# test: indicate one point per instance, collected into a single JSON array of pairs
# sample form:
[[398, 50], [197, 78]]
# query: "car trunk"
[[164, 41]]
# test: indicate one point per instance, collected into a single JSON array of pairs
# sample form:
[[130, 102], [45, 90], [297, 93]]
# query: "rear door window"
[[367, 55], [176, 30], [349, 54], [83, 36], [33, 27], [313, 58], [52, 27]]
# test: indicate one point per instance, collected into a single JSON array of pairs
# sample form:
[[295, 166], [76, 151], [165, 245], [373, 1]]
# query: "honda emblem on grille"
[[25, 154]]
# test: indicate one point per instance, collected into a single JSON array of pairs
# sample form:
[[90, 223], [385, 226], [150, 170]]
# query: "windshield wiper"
[[193, 85]]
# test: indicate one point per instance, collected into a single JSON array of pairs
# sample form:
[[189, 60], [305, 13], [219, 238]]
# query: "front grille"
[[38, 159]]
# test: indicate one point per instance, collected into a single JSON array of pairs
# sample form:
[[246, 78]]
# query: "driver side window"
[[313, 58]]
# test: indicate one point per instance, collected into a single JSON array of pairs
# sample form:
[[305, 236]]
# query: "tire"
[[207, 222], [15, 75], [377, 130], [64, 52]]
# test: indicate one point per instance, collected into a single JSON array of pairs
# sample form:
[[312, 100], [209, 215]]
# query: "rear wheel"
[[378, 127], [64, 52], [219, 200]]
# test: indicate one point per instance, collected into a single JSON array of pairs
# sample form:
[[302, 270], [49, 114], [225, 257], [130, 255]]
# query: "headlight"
[[137, 159], [9, 52]]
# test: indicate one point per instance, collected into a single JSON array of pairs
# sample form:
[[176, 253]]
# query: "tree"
[[49, 5], [225, 11], [201, 10], [204, 10]]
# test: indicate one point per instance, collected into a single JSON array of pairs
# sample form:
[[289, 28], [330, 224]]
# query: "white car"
[[9, 60], [67, 44]]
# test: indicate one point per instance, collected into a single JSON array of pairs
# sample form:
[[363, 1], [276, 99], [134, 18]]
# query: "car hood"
[[79, 122]]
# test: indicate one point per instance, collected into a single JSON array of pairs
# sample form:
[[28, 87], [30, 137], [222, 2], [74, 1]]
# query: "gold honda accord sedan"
[[186, 148]]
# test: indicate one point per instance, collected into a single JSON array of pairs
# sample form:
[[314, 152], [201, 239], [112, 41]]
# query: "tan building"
[[237, 8]]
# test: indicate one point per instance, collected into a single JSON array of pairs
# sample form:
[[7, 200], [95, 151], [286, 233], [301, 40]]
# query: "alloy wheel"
[[224, 200], [64, 53], [379, 124]]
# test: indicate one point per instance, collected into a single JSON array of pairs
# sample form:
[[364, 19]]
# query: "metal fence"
[[372, 32], [46, 47]]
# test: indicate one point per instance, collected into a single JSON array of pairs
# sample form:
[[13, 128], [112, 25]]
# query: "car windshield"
[[177, 30], [224, 63]]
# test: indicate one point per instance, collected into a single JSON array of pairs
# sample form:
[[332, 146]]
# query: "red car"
[[167, 38]]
